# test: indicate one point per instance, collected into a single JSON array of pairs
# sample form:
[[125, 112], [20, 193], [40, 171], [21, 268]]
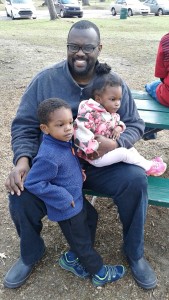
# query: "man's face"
[[82, 64]]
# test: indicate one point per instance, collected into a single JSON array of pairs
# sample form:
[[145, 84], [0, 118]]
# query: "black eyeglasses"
[[87, 49]]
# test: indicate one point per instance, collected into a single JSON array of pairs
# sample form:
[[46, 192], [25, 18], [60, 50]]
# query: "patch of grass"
[[128, 45], [46, 32]]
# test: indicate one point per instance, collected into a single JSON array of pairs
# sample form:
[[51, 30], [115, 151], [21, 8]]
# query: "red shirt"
[[162, 70]]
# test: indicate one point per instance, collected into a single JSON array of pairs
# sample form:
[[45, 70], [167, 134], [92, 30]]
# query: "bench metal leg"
[[93, 201]]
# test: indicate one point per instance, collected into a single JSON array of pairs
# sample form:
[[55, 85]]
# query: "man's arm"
[[105, 145], [25, 133]]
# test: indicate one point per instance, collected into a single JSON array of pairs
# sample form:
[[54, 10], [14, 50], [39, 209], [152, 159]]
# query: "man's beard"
[[80, 72]]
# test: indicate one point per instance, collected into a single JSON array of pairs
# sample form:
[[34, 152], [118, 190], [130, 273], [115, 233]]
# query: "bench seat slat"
[[153, 113], [155, 119], [140, 95], [150, 105], [158, 191]]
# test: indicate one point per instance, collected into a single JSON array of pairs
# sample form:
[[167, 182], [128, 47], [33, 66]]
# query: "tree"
[[85, 2], [52, 10]]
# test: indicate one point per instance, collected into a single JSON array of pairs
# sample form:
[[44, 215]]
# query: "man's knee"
[[26, 202]]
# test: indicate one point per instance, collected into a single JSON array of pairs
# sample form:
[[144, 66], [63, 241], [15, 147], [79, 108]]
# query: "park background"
[[129, 46]]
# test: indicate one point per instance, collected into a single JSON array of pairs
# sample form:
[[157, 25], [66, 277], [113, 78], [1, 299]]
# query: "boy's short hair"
[[48, 106]]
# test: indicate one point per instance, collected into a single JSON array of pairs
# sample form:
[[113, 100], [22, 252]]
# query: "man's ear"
[[100, 48], [44, 128]]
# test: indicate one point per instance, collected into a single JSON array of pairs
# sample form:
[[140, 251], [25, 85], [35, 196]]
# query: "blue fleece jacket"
[[56, 178], [56, 81]]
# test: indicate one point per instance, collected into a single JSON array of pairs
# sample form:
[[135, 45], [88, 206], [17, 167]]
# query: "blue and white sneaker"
[[112, 273], [73, 266]]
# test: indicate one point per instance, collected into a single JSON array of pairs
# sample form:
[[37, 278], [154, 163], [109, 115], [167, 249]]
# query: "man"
[[71, 80]]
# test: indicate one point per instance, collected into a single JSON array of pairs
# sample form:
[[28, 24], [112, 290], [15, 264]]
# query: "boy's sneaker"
[[158, 167], [112, 273], [73, 266]]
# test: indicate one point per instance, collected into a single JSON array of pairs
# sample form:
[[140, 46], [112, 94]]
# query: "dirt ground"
[[49, 281]]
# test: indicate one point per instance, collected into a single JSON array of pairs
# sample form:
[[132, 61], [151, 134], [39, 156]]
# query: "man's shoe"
[[73, 266], [143, 274], [112, 273], [17, 275]]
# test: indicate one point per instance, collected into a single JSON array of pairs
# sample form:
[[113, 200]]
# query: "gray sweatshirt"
[[56, 81]]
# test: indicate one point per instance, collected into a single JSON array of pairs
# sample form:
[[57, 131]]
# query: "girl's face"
[[111, 98], [60, 125]]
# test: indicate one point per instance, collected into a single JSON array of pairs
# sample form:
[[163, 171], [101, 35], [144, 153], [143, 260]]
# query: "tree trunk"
[[85, 2], [52, 10]]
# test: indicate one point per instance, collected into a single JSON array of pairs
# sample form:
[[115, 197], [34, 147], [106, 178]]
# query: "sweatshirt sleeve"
[[25, 131], [39, 182], [160, 69], [129, 115]]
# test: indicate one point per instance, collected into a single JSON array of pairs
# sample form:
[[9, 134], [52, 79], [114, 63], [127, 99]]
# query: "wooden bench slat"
[[150, 105], [158, 191], [153, 113], [155, 119], [141, 95]]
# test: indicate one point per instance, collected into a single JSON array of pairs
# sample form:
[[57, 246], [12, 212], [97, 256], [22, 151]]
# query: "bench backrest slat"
[[153, 113]]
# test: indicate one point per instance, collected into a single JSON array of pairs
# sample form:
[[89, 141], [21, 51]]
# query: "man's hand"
[[15, 180], [105, 145]]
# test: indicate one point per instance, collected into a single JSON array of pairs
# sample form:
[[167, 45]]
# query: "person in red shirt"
[[159, 89]]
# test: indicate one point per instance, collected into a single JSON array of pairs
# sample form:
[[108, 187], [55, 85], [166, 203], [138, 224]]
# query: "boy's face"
[[111, 98], [60, 125]]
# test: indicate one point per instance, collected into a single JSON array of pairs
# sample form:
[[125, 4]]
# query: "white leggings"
[[129, 156]]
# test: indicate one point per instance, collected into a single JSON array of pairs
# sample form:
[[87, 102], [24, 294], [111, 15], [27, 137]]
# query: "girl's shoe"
[[158, 158], [158, 167]]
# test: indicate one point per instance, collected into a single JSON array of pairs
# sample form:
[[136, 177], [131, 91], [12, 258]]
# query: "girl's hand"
[[83, 175], [116, 132]]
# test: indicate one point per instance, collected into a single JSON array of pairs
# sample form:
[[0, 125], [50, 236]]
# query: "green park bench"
[[155, 116]]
